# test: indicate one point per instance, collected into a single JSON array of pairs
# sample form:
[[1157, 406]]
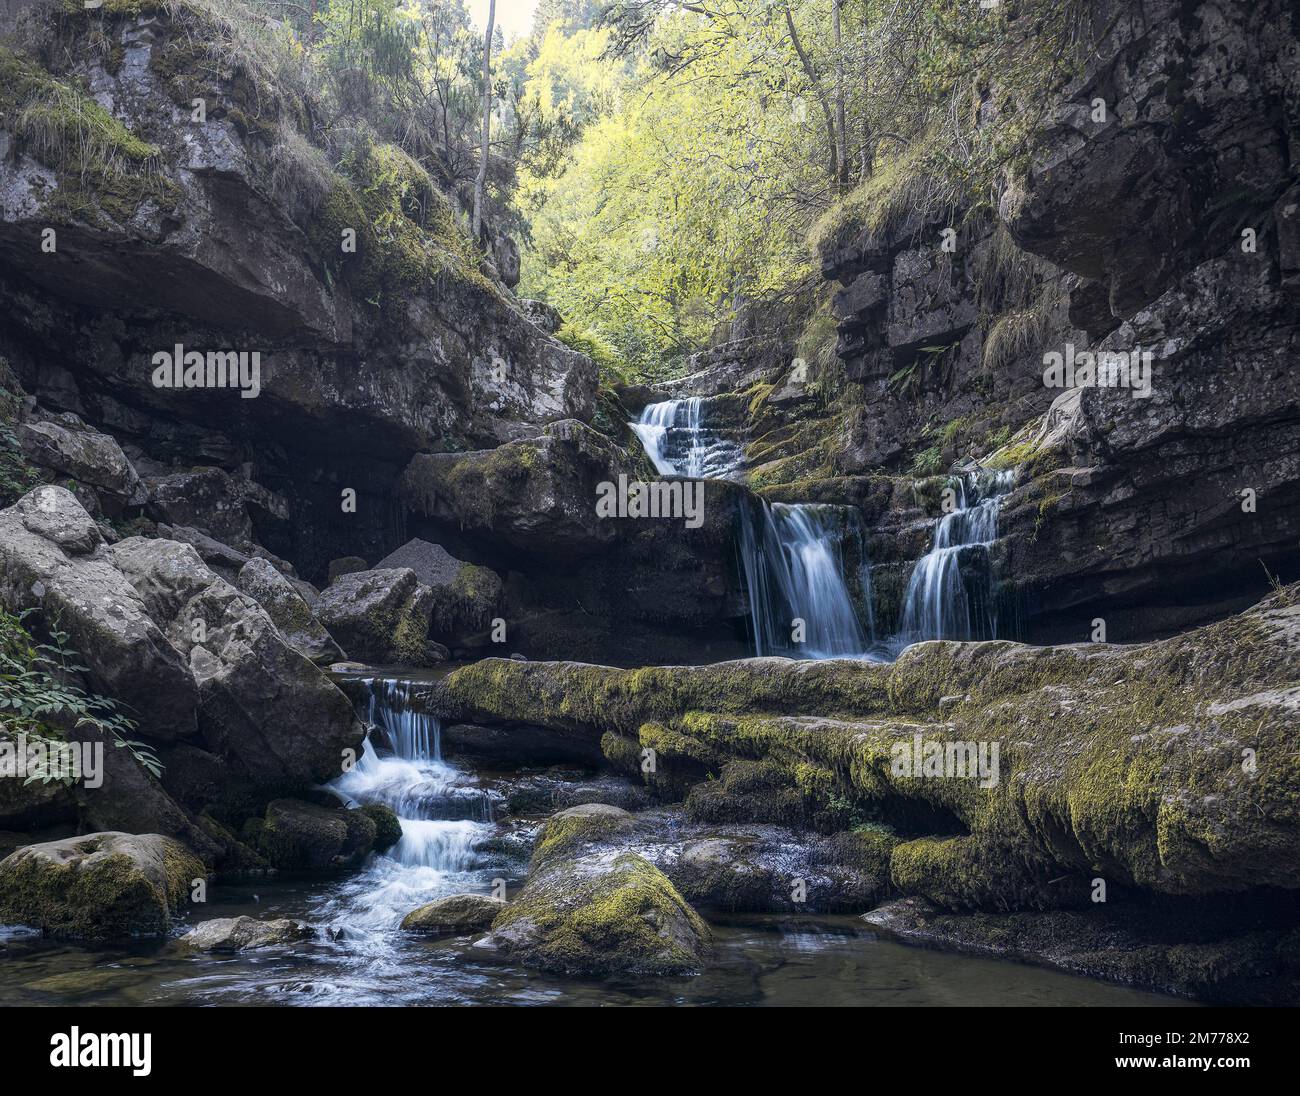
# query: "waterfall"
[[950, 595], [678, 443], [793, 561], [444, 814], [794, 572]]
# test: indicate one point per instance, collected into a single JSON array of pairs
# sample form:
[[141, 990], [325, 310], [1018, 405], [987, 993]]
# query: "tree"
[[481, 181]]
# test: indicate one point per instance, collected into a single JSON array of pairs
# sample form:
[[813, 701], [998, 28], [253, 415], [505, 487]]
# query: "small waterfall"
[[949, 595], [678, 443], [794, 571], [444, 814]]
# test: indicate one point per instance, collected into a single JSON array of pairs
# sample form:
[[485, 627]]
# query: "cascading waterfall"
[[794, 571], [678, 443], [943, 599], [444, 815], [793, 561]]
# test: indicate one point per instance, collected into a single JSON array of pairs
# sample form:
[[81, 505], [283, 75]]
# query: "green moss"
[[629, 918], [566, 832], [96, 899], [388, 827], [105, 172]]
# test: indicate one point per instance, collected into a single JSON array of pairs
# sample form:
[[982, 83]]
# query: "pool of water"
[[774, 960]]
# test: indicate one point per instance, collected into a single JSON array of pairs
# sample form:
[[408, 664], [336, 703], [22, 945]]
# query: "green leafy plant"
[[39, 699]]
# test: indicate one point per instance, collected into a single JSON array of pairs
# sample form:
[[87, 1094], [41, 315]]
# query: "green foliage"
[[38, 697]]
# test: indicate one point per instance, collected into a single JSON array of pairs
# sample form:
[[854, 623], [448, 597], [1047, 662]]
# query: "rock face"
[[1119, 762], [193, 241], [288, 611], [612, 913], [196, 661], [102, 886], [229, 934], [453, 915], [381, 616]]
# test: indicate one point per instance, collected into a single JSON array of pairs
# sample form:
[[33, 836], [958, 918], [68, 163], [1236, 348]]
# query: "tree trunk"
[[821, 95], [842, 136], [481, 181]]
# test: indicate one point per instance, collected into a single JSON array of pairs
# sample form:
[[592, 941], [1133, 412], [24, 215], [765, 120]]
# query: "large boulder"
[[465, 596], [595, 914], [54, 559], [66, 445], [300, 836], [263, 705], [101, 886], [381, 616], [187, 655], [288, 610]]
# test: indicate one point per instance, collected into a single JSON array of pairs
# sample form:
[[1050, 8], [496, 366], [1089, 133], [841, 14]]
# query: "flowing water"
[[679, 444], [950, 594], [362, 957], [799, 601]]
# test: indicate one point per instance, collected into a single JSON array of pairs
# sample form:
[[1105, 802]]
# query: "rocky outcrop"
[[456, 914], [183, 233], [381, 616], [288, 611], [465, 597], [613, 912], [102, 886], [201, 668], [1165, 768], [231, 934]]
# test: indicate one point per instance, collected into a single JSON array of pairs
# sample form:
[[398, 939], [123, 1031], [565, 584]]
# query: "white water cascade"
[[794, 571], [943, 601], [678, 443], [792, 558], [444, 815]]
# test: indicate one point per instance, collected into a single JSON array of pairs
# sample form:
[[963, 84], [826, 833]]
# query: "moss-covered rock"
[[388, 827], [102, 886], [455, 914], [381, 616], [300, 836], [1168, 766], [622, 915]]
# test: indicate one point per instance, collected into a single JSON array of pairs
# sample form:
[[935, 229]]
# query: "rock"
[[1099, 747], [299, 836], [465, 597], [388, 827], [228, 934], [263, 705], [454, 915], [347, 565], [288, 611], [381, 616], [611, 913], [71, 448], [48, 543], [98, 887], [511, 746], [1188, 951]]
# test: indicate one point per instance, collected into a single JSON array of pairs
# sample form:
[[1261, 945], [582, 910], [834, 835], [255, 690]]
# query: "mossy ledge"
[[1172, 767]]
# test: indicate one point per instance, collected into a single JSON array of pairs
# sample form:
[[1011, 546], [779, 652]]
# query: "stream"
[[450, 844]]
